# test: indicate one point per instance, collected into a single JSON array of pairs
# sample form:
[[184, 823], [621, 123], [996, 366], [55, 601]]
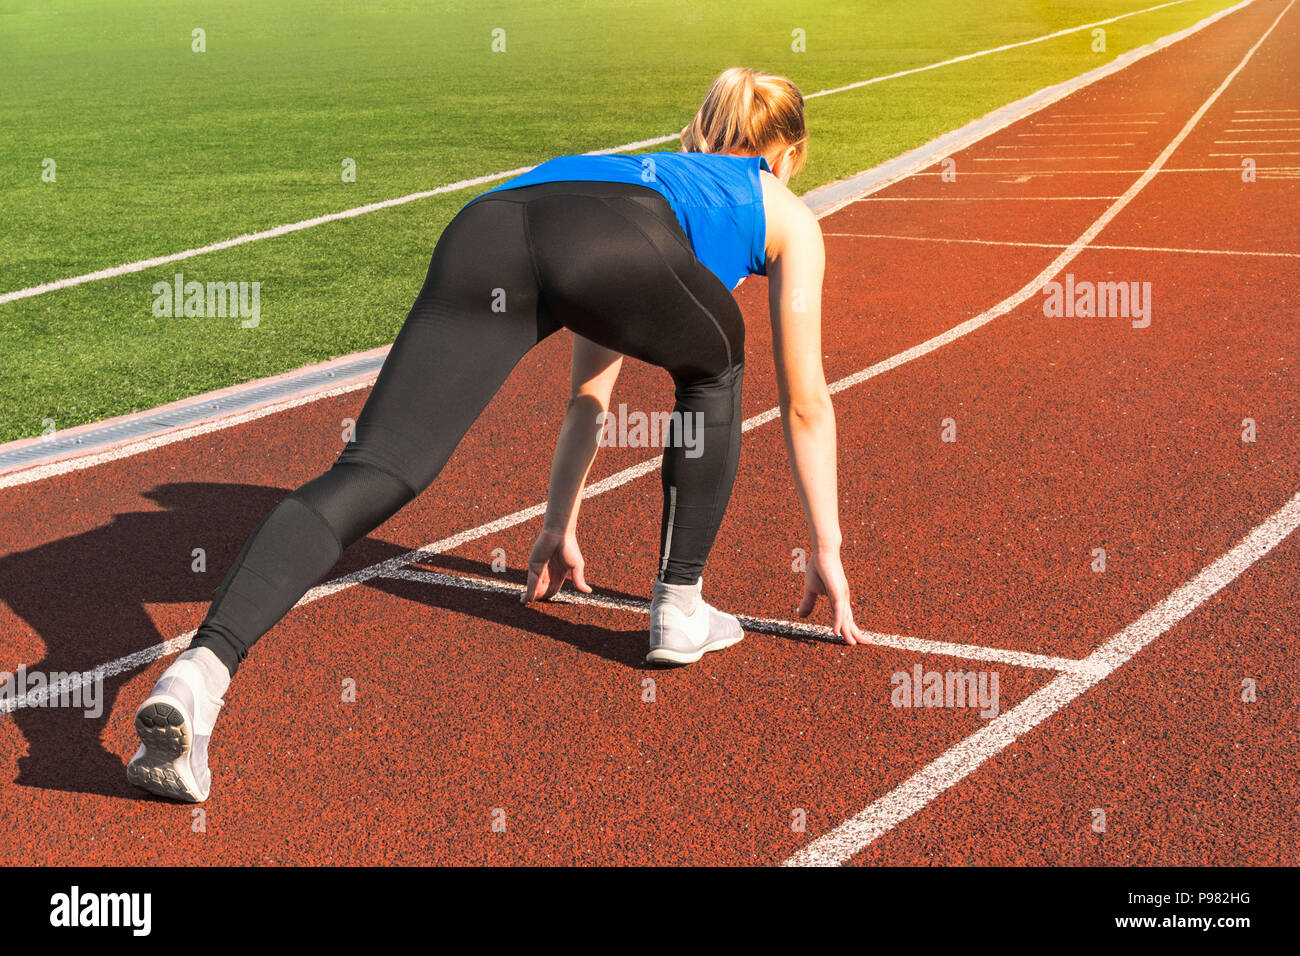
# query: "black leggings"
[[607, 260]]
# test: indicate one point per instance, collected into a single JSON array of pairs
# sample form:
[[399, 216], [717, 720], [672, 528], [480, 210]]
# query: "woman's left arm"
[[555, 554]]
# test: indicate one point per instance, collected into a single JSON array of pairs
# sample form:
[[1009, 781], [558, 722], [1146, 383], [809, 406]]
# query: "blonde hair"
[[749, 112]]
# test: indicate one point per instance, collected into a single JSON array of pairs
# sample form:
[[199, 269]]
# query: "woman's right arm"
[[555, 553], [796, 263]]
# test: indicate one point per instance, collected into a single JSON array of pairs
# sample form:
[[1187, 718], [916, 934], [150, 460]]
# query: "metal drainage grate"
[[152, 424]]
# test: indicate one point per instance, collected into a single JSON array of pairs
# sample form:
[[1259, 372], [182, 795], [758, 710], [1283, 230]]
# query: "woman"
[[636, 256]]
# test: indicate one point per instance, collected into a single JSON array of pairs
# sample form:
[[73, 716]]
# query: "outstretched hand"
[[825, 576], [554, 557]]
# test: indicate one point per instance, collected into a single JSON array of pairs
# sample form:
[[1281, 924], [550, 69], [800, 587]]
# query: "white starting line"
[[766, 625], [762, 625]]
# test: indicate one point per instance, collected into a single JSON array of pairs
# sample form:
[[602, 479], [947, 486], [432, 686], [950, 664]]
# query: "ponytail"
[[749, 112]]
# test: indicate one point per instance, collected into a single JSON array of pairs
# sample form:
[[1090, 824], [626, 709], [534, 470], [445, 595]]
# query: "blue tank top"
[[718, 199]]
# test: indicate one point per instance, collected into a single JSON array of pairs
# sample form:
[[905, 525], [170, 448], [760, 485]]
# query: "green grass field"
[[159, 149]]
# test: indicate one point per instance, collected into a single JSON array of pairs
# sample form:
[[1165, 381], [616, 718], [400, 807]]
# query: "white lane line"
[[980, 198], [976, 652], [1059, 145], [1035, 159], [143, 264], [1255, 152], [1243, 142], [1255, 129], [1100, 132], [766, 625], [128, 662], [1014, 113], [1112, 172], [955, 764], [636, 471], [70, 684], [1116, 123], [1095, 115], [1059, 245], [1276, 119], [283, 230], [1267, 111]]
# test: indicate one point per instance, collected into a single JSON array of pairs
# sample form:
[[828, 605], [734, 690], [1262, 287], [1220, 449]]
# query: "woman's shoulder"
[[788, 217]]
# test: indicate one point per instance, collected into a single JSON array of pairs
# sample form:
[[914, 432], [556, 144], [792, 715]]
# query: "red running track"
[[1071, 435]]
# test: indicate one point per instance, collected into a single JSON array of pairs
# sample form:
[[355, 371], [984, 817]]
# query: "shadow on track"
[[85, 596]]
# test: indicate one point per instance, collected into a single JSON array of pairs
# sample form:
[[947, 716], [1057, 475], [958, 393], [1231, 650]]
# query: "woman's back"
[[717, 198]]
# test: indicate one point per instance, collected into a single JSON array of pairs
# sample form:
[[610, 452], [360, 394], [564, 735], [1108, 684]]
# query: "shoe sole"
[[665, 655], [164, 767]]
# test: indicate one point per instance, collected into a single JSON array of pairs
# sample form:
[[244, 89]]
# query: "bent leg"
[[697, 488], [618, 270]]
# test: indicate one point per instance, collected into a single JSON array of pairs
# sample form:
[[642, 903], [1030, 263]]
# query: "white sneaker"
[[174, 724], [679, 636]]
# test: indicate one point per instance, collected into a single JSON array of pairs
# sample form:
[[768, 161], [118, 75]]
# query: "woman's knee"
[[354, 499], [723, 383]]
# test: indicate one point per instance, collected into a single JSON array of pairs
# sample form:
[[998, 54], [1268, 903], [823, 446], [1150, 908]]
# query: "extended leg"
[[476, 316]]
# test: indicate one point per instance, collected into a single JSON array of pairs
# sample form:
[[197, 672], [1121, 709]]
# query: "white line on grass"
[[955, 764], [143, 264], [1108, 123], [284, 230], [1000, 49]]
